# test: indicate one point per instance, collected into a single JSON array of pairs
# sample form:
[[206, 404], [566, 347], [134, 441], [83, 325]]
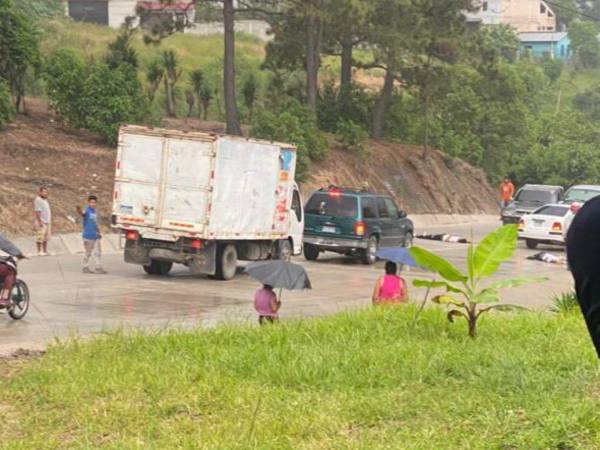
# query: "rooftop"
[[542, 36]]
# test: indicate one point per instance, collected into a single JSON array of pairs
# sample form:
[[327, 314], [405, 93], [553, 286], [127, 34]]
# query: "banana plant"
[[464, 292]]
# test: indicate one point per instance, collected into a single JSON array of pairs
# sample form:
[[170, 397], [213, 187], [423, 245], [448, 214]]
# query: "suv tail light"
[[557, 227], [360, 228], [132, 235], [575, 207]]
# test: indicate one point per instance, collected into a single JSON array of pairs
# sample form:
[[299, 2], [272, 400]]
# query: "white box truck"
[[204, 200]]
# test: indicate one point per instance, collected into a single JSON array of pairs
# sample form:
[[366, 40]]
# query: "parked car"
[[528, 199], [581, 193], [354, 223], [546, 225]]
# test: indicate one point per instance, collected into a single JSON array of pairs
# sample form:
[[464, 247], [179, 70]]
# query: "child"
[[91, 236], [266, 305]]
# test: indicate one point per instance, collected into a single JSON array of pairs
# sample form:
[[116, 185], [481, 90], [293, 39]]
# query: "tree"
[[172, 74], [249, 91], [154, 75], [205, 98], [196, 78], [18, 49], [120, 50], [585, 44], [6, 107], [190, 99]]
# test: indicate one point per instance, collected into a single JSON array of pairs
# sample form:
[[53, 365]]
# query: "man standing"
[[507, 190], [43, 219], [91, 237]]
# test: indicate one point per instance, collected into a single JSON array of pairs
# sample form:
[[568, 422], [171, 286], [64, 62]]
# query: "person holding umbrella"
[[275, 274], [266, 305], [390, 289]]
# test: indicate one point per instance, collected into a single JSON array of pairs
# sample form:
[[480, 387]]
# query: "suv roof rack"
[[346, 190]]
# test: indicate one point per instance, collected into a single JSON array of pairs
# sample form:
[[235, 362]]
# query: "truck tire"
[[285, 250], [311, 253], [226, 262], [531, 243], [158, 267], [368, 256]]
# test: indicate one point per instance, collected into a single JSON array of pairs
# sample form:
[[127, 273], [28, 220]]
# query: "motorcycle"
[[19, 297]]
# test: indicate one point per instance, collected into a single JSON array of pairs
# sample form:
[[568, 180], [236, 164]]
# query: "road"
[[67, 302]]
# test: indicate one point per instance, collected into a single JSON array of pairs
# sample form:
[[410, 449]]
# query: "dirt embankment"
[[35, 151]]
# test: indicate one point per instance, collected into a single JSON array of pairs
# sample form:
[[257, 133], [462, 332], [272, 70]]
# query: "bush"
[[565, 303], [110, 98], [65, 74], [352, 136], [296, 125], [7, 111]]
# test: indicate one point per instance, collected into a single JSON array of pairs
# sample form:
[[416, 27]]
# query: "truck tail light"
[[359, 228], [557, 227], [196, 244], [132, 235]]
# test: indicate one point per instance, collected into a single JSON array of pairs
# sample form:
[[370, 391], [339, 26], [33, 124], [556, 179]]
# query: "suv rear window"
[[535, 195], [332, 204]]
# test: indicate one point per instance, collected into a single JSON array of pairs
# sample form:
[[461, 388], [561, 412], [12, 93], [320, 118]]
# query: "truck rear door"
[[138, 179], [187, 184]]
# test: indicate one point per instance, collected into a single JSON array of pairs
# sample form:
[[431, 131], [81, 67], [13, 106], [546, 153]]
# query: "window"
[[368, 208], [382, 208], [542, 8], [535, 196], [581, 195], [551, 210], [328, 204], [391, 207], [484, 6], [297, 206]]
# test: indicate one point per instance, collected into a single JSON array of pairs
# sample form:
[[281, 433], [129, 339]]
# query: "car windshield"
[[553, 210], [332, 204], [535, 196], [581, 195]]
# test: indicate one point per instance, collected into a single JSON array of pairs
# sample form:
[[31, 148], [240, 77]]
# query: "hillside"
[[35, 151]]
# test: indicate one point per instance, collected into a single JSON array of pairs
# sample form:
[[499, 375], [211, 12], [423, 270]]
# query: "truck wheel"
[[158, 267], [531, 243], [369, 257], [285, 250], [226, 262], [311, 253]]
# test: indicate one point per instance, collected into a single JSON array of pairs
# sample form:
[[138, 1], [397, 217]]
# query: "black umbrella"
[[279, 274], [583, 254]]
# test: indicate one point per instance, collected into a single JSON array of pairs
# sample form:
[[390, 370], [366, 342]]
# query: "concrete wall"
[[256, 28], [523, 15], [119, 10], [557, 50]]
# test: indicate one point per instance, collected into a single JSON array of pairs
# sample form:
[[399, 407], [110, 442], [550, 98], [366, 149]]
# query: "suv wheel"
[[369, 257], [408, 240], [311, 253], [531, 243]]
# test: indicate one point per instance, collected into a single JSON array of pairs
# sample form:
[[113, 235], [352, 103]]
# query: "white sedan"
[[546, 225]]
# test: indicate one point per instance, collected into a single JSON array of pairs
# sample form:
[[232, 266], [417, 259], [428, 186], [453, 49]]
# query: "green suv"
[[354, 223]]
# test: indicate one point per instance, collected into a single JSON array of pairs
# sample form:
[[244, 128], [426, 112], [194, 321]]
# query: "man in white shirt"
[[43, 221]]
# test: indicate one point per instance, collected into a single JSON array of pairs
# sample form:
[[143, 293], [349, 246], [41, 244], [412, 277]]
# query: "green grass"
[[354, 381]]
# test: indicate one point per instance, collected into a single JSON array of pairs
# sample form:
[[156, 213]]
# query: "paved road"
[[66, 301]]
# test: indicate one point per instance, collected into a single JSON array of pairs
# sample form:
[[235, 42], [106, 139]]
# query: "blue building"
[[539, 44]]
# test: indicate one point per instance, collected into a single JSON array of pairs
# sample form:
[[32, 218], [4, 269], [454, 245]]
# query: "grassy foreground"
[[358, 380]]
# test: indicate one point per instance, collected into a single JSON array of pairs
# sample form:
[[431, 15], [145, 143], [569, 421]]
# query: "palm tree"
[[197, 82], [172, 74], [154, 74]]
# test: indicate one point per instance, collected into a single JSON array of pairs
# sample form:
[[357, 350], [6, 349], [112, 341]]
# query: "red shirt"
[[507, 191]]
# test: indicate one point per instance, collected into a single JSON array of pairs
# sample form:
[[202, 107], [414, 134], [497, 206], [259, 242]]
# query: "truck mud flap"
[[136, 253], [203, 262]]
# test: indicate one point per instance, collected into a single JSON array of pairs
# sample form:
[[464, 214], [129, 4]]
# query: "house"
[[114, 12], [554, 45], [522, 15]]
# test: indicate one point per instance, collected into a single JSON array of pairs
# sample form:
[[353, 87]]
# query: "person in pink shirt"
[[266, 305], [390, 289]]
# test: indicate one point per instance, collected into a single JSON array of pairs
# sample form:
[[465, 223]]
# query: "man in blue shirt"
[[91, 237]]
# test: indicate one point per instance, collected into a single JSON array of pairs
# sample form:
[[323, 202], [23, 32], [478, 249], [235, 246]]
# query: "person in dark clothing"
[[583, 256]]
